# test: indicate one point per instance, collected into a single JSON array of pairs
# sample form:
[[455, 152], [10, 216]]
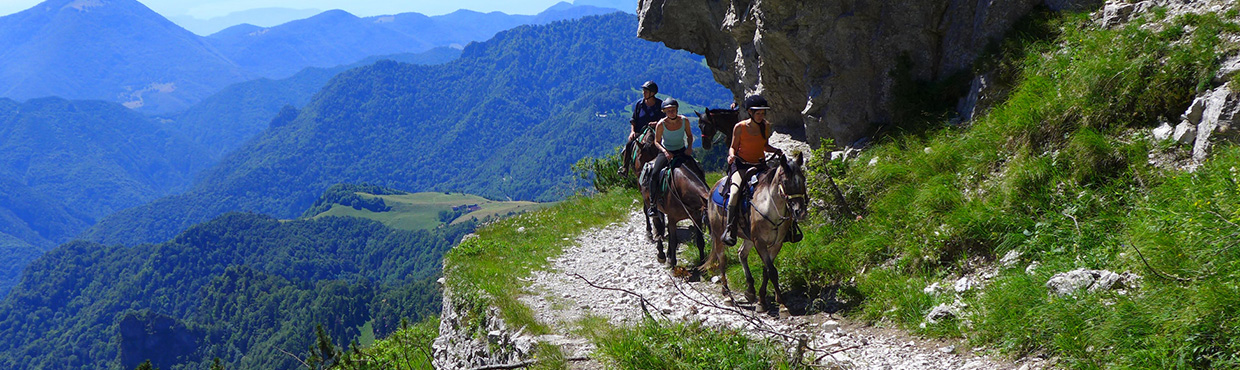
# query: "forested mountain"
[[506, 120], [242, 287], [337, 37], [65, 164], [223, 121], [115, 50]]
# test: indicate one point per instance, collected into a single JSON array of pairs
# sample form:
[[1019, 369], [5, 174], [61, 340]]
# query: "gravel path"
[[618, 256]]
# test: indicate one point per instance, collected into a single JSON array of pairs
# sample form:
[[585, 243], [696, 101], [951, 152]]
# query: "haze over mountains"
[[121, 51], [506, 120]]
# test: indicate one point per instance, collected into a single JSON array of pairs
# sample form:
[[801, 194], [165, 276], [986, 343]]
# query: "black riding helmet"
[[669, 102], [756, 102], [650, 85]]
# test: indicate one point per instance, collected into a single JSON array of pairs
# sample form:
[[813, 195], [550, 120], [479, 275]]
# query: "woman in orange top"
[[749, 147]]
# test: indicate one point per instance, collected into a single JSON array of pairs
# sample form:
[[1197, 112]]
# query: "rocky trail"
[[607, 268]]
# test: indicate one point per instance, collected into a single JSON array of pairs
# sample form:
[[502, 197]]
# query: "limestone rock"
[[825, 66], [942, 312], [1068, 283], [1218, 119], [1185, 133], [1163, 132]]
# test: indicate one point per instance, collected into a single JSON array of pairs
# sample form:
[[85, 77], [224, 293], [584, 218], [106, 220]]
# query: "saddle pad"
[[716, 195]]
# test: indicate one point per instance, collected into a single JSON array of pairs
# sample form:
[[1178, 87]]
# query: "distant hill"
[[65, 164], [504, 121], [121, 51], [264, 17], [95, 157], [115, 50], [337, 37], [242, 287], [223, 121]]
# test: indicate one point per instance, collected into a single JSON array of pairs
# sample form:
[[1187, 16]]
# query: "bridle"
[[789, 213]]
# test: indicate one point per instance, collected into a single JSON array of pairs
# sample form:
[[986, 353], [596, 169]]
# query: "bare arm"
[[688, 134], [658, 138], [736, 143]]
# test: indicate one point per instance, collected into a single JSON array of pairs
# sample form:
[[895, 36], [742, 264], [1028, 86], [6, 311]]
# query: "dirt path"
[[618, 256]]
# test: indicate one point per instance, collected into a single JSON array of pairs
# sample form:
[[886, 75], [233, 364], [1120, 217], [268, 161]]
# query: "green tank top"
[[674, 140]]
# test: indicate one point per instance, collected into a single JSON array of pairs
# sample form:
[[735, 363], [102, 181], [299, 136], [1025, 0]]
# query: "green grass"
[[657, 345], [420, 211], [407, 349], [1059, 173], [487, 270]]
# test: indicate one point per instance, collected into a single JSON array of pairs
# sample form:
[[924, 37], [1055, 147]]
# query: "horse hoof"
[[783, 312], [760, 308], [671, 262], [750, 298]]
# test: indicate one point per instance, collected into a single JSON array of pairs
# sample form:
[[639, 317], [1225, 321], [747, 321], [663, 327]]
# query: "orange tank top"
[[751, 148]]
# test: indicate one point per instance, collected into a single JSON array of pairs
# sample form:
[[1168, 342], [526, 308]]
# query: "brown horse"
[[686, 199], [778, 201], [717, 121], [644, 152]]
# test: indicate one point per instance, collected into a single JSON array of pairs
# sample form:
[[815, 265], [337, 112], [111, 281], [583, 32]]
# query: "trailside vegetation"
[[1059, 173]]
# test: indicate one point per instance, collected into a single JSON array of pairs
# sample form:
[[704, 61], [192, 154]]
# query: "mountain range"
[[505, 120], [121, 51]]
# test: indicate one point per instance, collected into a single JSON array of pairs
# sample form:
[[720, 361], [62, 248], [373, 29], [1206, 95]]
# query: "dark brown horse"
[[685, 199], [718, 121], [778, 201], [644, 152]]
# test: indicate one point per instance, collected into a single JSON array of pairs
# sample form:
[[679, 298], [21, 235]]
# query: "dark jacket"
[[644, 115]]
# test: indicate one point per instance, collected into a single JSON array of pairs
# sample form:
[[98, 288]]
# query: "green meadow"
[[421, 211]]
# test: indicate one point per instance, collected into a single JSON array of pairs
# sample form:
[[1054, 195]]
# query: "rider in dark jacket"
[[646, 112]]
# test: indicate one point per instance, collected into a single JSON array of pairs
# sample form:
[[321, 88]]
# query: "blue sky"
[[205, 9]]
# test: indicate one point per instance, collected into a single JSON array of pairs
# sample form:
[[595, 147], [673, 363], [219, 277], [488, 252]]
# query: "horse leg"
[[766, 273], [649, 228], [744, 257], [701, 244], [657, 220], [673, 242]]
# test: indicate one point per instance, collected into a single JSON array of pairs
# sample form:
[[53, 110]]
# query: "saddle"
[[663, 179], [720, 197]]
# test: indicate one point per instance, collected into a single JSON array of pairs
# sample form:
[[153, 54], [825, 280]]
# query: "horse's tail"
[[716, 256]]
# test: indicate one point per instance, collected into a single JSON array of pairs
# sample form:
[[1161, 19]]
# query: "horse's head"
[[792, 185], [716, 121]]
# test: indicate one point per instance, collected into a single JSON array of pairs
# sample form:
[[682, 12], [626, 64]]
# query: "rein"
[[672, 185], [787, 203]]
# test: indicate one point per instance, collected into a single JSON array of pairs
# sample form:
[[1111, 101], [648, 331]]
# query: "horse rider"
[[645, 113], [674, 141], [750, 143]]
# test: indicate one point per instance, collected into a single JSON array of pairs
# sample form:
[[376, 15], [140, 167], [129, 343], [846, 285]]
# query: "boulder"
[[1218, 119], [1068, 283]]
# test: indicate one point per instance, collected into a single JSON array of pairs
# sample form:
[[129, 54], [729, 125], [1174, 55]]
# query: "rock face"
[[825, 66]]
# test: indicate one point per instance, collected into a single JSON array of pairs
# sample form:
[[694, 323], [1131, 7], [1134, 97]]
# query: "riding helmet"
[[756, 102], [669, 102], [650, 85]]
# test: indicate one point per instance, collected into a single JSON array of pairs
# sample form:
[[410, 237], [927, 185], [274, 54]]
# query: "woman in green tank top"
[[674, 141]]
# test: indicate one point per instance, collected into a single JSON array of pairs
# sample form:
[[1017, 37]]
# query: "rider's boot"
[[624, 160], [734, 202]]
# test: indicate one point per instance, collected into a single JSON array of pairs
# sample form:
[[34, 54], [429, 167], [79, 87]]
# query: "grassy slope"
[[420, 211], [1059, 173]]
